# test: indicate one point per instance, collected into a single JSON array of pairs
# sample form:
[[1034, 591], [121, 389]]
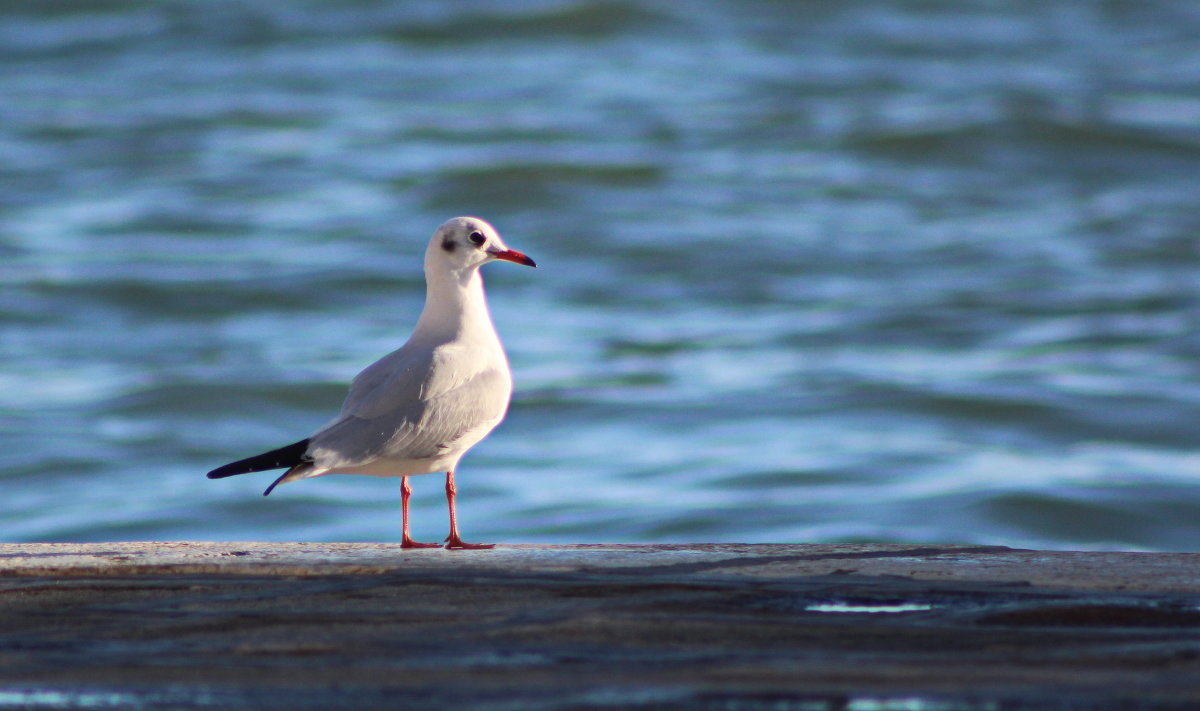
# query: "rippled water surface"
[[894, 271]]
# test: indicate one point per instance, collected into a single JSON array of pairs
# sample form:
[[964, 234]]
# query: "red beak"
[[512, 255]]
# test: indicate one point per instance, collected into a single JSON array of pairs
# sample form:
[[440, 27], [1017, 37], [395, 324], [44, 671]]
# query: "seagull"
[[419, 409]]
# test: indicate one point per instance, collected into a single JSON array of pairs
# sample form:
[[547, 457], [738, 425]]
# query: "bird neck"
[[455, 306]]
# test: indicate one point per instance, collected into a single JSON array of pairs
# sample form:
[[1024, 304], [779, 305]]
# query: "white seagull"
[[419, 409]]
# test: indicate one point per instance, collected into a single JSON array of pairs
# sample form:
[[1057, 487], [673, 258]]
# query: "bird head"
[[468, 243]]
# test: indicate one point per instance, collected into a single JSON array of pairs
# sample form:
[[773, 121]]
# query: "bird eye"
[[477, 238]]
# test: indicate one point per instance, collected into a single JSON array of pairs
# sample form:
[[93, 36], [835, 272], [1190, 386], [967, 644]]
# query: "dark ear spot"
[[448, 244]]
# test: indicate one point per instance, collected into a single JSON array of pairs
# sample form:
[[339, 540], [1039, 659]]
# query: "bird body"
[[420, 408]]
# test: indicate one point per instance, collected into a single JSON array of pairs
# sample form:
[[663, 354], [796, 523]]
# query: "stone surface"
[[847, 627]]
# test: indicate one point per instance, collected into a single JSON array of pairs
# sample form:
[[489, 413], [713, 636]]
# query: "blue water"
[[809, 272]]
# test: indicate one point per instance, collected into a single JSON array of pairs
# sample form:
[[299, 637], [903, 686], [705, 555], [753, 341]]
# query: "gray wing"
[[398, 377], [412, 408]]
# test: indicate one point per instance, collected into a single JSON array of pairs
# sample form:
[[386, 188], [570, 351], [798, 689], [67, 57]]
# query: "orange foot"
[[410, 543], [456, 543]]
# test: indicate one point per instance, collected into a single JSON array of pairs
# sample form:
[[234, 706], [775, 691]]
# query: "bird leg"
[[405, 494], [454, 540]]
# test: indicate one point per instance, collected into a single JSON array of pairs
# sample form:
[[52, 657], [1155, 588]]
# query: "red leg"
[[405, 494], [454, 540]]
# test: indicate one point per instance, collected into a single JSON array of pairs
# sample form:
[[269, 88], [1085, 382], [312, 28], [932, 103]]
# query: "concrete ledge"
[[849, 627], [1151, 572]]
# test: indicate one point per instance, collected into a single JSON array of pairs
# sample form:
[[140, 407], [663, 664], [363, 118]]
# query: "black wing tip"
[[276, 483], [288, 456], [231, 469]]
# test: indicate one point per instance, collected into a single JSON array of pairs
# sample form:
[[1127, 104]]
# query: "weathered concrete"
[[853, 627]]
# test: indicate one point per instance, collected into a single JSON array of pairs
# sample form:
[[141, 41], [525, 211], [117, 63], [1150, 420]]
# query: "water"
[[894, 271]]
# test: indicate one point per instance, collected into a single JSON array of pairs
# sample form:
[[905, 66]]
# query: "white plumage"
[[419, 409]]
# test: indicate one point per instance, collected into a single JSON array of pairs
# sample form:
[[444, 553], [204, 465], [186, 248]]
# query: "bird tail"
[[289, 456]]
